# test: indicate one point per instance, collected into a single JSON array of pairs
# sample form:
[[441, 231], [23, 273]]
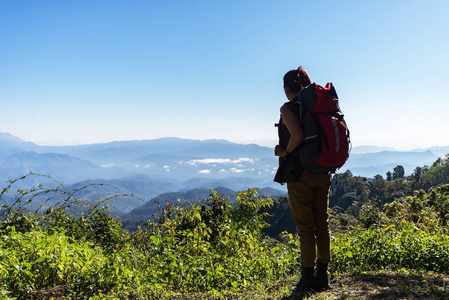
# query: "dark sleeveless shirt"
[[289, 169]]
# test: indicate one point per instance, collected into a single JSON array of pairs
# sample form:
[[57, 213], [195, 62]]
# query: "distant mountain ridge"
[[6, 136], [370, 149], [437, 150], [179, 165], [389, 157]]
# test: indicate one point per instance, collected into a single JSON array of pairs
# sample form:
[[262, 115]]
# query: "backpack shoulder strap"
[[308, 96]]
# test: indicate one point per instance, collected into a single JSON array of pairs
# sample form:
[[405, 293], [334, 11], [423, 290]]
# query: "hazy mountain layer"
[[149, 168]]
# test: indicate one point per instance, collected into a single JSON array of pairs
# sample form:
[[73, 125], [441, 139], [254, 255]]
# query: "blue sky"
[[74, 72]]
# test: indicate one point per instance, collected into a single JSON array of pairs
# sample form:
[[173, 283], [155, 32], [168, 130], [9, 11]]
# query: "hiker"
[[307, 192]]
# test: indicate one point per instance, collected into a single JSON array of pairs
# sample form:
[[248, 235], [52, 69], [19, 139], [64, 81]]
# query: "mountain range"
[[149, 168]]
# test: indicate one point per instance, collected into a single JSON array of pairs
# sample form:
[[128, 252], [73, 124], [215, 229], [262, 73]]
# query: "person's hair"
[[297, 79]]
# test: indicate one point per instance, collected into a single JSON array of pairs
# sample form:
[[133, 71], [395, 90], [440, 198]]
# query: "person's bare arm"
[[296, 134]]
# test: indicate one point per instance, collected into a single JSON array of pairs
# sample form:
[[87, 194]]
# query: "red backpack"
[[325, 147]]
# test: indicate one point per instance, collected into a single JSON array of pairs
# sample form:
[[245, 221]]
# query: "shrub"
[[405, 245], [370, 215]]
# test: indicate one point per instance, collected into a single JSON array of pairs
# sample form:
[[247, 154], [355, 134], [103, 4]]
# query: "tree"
[[437, 174], [398, 172], [416, 178], [378, 187], [347, 189], [388, 176]]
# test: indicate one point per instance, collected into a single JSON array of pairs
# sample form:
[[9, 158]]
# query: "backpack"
[[325, 147]]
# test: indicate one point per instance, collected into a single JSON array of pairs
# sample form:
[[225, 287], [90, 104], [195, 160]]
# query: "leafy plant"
[[212, 248]]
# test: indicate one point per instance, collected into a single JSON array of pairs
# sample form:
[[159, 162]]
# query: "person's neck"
[[291, 96]]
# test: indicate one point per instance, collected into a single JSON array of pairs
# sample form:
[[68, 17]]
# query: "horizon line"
[[262, 143]]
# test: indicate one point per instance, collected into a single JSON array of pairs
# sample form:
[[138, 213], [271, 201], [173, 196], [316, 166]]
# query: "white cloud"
[[235, 170], [204, 171], [107, 165], [222, 171], [209, 161], [215, 161], [243, 159], [166, 167]]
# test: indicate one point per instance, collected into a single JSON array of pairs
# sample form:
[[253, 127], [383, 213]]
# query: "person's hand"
[[279, 151]]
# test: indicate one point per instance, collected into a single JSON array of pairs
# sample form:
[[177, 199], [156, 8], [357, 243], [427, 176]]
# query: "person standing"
[[308, 192]]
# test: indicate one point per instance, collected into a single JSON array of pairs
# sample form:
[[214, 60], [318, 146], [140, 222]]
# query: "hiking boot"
[[321, 278], [307, 280]]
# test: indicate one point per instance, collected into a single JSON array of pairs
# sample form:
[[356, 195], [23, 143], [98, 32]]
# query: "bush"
[[370, 215], [406, 245], [36, 262], [213, 246]]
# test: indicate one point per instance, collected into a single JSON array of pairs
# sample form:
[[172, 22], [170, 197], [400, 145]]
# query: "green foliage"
[[38, 261], [207, 247], [436, 202], [338, 220], [99, 228], [370, 215], [435, 175], [389, 176], [410, 234], [214, 247], [406, 245], [398, 172], [347, 189], [352, 193], [280, 218], [438, 199], [394, 209]]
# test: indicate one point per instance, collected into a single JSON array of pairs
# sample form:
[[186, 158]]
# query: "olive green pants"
[[309, 200]]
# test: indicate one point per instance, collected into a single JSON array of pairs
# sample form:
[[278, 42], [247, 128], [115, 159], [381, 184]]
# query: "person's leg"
[[320, 209], [300, 196]]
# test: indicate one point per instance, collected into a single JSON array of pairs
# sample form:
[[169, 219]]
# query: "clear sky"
[[74, 72]]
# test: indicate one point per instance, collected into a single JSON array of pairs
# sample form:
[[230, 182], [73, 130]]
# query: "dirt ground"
[[382, 285]]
